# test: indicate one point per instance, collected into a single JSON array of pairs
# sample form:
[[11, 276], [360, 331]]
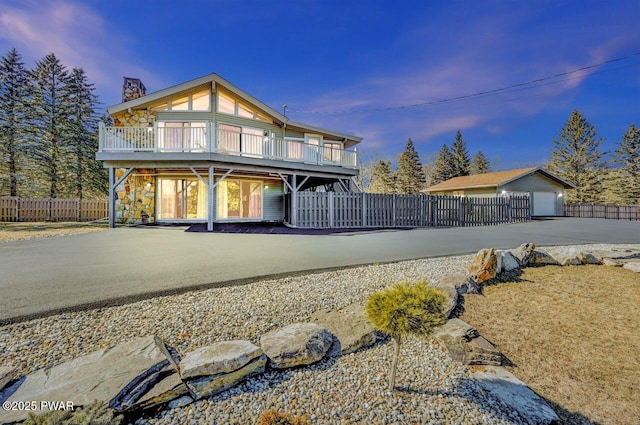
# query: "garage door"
[[544, 203]]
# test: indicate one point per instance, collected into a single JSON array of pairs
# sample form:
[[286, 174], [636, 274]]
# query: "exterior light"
[[504, 192], [266, 187], [559, 195]]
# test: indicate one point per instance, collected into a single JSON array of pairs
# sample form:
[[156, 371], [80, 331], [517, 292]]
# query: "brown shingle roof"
[[480, 180]]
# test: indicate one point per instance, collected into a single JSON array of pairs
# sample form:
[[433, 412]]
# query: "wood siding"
[[273, 201], [532, 183], [353, 210]]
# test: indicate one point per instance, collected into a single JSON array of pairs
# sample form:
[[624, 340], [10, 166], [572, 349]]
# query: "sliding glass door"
[[239, 199], [182, 199]]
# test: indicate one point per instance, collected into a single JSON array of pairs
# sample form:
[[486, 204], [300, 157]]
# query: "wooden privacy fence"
[[341, 210], [52, 209], [616, 212]]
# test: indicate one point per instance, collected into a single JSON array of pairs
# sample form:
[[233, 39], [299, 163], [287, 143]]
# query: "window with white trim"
[[231, 106], [182, 136], [199, 101]]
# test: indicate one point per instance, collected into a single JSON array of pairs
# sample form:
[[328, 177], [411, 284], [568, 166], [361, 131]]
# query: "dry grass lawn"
[[573, 335], [28, 230]]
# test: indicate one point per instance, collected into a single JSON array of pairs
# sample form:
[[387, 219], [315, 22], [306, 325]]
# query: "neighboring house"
[[206, 151], [545, 190]]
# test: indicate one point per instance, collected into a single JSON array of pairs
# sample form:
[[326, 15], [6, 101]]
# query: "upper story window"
[[231, 106], [199, 101]]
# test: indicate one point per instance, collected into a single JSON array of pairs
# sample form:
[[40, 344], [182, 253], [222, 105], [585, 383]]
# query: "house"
[[206, 151], [545, 190]]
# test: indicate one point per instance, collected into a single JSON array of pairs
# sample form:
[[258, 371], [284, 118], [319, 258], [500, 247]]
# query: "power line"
[[515, 87]]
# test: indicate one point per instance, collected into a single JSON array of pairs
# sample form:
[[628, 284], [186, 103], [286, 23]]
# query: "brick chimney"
[[132, 89]]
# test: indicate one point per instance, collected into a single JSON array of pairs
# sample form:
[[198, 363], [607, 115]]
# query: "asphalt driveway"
[[42, 276]]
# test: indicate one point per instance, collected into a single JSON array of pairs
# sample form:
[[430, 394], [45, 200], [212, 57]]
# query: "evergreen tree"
[[480, 164], [628, 156], [382, 179], [51, 117], [410, 177], [14, 113], [576, 158], [442, 167], [85, 173], [460, 157]]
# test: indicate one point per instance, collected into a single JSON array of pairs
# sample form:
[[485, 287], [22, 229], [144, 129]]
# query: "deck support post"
[[294, 200], [112, 201], [210, 200], [112, 192]]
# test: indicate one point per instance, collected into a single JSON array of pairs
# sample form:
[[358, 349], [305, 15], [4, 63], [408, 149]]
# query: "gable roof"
[[215, 79], [495, 179]]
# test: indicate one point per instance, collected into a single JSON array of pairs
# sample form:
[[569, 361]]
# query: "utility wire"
[[515, 87]]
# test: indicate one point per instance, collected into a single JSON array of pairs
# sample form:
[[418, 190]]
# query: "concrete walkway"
[[42, 276]]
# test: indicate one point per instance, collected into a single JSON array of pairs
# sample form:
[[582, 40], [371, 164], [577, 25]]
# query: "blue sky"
[[342, 64]]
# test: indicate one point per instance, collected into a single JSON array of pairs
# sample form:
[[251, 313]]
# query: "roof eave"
[[479, 186], [324, 130]]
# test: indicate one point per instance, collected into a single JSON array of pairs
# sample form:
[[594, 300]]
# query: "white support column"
[[112, 200], [294, 200], [210, 194]]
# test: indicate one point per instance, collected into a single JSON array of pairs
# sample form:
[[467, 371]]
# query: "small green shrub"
[[96, 413], [403, 309], [275, 417]]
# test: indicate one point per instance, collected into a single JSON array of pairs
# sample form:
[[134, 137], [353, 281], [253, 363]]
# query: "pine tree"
[[576, 158], [460, 157], [628, 156], [442, 167], [410, 177], [480, 164], [405, 309], [85, 173], [51, 116], [382, 179], [14, 114]]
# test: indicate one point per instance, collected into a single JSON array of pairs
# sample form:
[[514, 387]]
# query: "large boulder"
[[7, 375], [610, 262], [508, 262], [295, 345], [484, 266], [634, 266], [571, 256], [350, 327], [221, 357], [120, 376], [167, 389], [220, 366], [463, 283], [466, 345], [451, 297], [205, 386], [523, 252], [515, 393], [540, 257], [616, 253]]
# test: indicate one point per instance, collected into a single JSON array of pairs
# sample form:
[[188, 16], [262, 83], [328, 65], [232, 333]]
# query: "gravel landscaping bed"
[[349, 389]]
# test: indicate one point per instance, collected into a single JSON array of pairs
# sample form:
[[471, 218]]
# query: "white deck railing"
[[199, 139]]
